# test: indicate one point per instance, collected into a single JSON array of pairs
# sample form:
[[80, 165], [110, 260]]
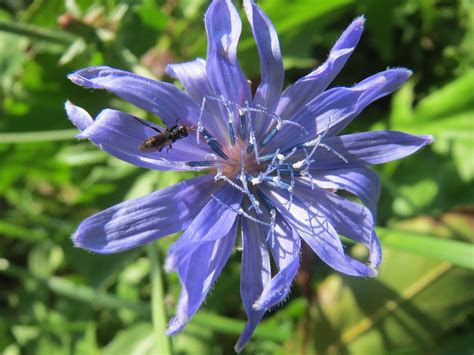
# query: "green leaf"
[[87, 343], [25, 333], [84, 293], [415, 197], [452, 98], [402, 105], [81, 154], [298, 27], [456, 252], [44, 259], [151, 15], [137, 339], [447, 114], [410, 304], [288, 18]]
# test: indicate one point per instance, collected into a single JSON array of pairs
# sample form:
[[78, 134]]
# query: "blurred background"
[[55, 299]]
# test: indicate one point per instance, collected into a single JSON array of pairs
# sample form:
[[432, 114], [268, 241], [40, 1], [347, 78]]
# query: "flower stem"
[[38, 33], [158, 310]]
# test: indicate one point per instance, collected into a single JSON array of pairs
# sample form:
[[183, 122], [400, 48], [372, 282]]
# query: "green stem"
[[158, 309], [22, 29], [40, 136]]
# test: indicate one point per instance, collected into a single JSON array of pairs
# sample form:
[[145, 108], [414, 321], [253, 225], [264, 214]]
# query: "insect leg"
[[146, 124]]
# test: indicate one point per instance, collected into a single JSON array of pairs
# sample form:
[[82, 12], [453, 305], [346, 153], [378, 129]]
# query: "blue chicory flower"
[[274, 163]]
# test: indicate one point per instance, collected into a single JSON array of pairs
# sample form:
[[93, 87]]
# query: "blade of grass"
[[83, 293], [158, 310], [77, 291], [453, 251], [22, 29], [29, 137], [10, 230]]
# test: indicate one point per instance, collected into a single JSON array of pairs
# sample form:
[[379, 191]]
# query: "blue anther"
[[284, 167], [232, 135], [250, 148], [278, 183], [267, 157], [200, 163], [214, 144], [243, 131], [218, 150], [291, 172], [269, 136]]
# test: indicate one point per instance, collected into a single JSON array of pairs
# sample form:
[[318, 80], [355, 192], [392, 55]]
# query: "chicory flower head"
[[273, 164]]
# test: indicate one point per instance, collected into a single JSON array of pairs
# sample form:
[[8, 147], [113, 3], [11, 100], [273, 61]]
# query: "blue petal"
[[271, 64], [347, 217], [360, 181], [286, 253], [160, 98], [223, 27], [199, 271], [334, 109], [78, 116], [193, 76], [121, 135], [212, 223], [371, 89], [140, 221], [255, 275], [317, 232], [313, 84], [365, 148]]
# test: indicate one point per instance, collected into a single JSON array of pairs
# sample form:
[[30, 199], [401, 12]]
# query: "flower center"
[[239, 159]]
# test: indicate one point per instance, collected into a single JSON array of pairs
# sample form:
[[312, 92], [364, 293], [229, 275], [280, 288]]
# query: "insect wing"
[[155, 143]]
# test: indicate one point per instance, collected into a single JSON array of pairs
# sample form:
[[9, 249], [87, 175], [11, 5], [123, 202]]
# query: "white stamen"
[[200, 127], [240, 212]]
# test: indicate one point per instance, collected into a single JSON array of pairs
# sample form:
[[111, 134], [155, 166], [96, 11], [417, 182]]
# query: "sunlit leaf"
[[458, 253]]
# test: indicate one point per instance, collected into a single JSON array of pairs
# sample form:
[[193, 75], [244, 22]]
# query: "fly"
[[162, 139]]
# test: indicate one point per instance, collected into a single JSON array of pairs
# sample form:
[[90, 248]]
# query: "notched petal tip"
[[357, 25], [84, 241], [81, 241], [423, 139], [84, 77], [360, 20], [241, 343], [351, 36], [267, 301], [238, 348], [429, 138], [388, 81], [401, 71], [175, 325], [373, 272], [77, 241], [78, 116], [259, 305], [170, 264]]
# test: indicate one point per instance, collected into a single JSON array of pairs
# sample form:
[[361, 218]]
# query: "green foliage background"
[[55, 299]]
